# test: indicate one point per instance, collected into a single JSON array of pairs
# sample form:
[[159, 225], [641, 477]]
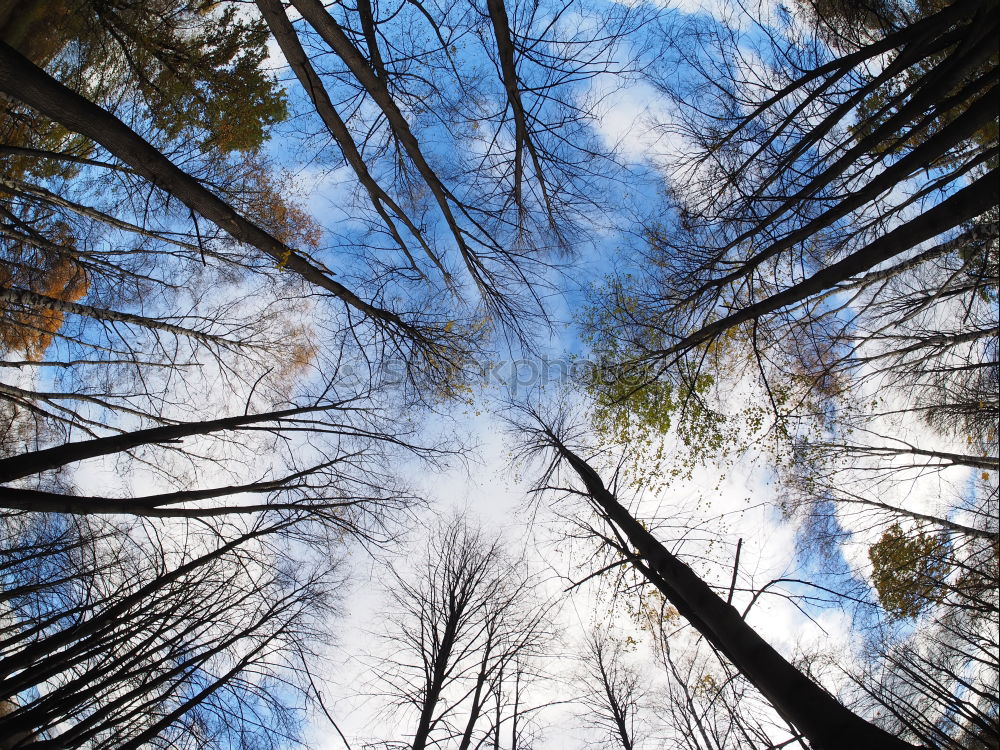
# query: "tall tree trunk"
[[964, 205], [26, 464], [331, 32], [25, 82], [298, 61], [818, 715]]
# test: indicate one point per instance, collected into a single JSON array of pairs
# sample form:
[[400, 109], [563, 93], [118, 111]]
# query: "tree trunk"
[[965, 205], [818, 715], [26, 464], [25, 82], [33, 300], [298, 61]]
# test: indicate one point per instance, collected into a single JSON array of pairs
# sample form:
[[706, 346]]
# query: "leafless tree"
[[786, 222], [113, 636], [465, 630], [614, 691]]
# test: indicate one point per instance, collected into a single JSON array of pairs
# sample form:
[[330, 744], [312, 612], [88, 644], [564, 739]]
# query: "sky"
[[494, 490]]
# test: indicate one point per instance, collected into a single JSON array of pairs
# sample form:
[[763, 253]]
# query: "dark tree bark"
[[36, 462], [464, 627], [137, 641], [26, 83], [965, 205], [284, 34], [809, 708]]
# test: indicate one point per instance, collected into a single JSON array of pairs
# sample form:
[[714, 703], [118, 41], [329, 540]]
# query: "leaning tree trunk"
[[34, 301], [826, 723], [963, 206], [25, 82], [34, 462]]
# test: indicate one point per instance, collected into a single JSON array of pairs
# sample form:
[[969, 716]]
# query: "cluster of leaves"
[[908, 570], [59, 276], [269, 195], [233, 100], [635, 406], [196, 67], [652, 612]]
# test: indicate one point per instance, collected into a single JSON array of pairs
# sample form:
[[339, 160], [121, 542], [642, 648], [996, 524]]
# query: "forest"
[[499, 375]]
